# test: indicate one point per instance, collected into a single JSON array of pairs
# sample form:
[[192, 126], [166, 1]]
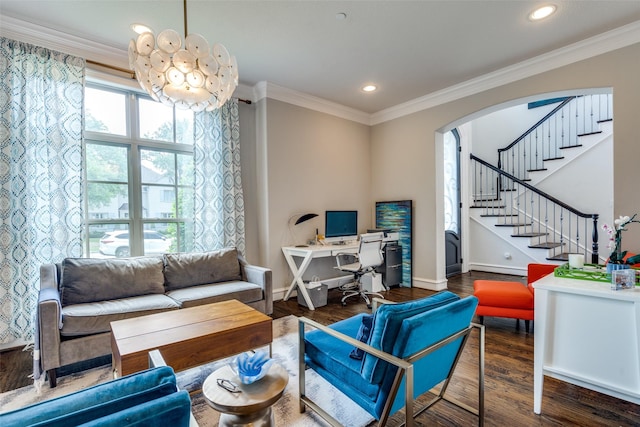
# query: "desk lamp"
[[302, 218]]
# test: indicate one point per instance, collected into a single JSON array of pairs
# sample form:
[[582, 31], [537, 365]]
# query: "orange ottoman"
[[513, 300]]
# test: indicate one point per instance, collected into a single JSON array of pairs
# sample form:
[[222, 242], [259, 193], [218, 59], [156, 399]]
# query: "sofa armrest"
[[49, 318], [261, 276], [49, 276]]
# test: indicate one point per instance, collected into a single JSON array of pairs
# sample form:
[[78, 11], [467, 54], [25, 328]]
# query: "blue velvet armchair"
[[145, 399], [405, 350]]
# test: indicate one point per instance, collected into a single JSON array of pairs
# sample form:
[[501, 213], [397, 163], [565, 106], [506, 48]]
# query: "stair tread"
[[483, 199], [561, 257], [529, 234], [605, 120], [537, 170], [546, 245], [486, 207], [553, 158], [590, 133], [515, 224], [570, 146], [497, 215]]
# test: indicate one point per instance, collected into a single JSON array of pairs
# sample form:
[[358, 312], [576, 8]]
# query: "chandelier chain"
[[184, 14]]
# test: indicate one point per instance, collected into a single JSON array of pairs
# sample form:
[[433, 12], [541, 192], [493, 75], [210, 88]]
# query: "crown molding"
[[615, 39], [584, 49], [266, 89], [56, 40]]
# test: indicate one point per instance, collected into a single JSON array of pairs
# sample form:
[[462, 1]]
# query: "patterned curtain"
[[219, 203], [41, 98]]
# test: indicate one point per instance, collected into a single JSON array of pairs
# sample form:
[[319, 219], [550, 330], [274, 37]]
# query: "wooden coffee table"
[[188, 337]]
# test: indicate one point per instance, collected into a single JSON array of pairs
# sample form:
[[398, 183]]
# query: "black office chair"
[[368, 258]]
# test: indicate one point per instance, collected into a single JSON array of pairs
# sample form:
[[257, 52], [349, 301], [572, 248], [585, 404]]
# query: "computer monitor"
[[340, 226]]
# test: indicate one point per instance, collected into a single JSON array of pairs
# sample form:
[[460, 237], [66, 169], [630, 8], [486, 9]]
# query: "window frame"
[[134, 144]]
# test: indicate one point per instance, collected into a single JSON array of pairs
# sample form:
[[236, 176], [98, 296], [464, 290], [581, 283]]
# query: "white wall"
[[313, 162], [499, 129]]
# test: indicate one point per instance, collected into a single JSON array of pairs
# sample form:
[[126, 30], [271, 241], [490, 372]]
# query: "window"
[[139, 175]]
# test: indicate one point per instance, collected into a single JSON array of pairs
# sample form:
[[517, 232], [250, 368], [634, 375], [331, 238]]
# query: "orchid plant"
[[615, 240]]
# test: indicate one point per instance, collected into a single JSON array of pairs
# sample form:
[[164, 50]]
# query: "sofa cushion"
[[86, 280], [386, 325], [183, 270], [496, 293], [96, 317], [244, 292]]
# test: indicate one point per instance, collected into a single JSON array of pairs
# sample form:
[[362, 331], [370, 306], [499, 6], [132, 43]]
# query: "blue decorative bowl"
[[250, 367]]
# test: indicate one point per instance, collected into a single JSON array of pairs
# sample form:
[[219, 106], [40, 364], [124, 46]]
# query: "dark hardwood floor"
[[508, 372]]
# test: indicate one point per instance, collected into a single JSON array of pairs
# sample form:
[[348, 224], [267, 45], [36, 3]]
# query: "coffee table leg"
[[262, 418]]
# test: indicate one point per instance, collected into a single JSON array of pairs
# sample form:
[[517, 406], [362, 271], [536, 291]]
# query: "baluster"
[[562, 229], [594, 240]]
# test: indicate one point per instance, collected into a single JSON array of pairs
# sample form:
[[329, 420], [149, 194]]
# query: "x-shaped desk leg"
[[297, 277]]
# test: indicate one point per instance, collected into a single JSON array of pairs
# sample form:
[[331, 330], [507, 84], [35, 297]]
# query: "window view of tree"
[[139, 196]]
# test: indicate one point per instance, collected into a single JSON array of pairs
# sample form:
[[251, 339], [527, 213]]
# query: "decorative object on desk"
[[617, 256], [576, 261], [298, 219], [592, 272], [623, 279], [397, 216], [251, 367]]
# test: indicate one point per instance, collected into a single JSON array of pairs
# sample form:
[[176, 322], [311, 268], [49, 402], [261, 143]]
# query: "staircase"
[[507, 198]]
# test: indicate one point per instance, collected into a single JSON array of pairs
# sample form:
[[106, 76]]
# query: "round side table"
[[250, 407]]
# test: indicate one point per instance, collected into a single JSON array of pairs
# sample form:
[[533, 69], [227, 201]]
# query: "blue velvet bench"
[[148, 398]]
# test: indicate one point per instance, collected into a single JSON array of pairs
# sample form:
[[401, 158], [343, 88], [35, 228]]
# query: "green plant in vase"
[[616, 257]]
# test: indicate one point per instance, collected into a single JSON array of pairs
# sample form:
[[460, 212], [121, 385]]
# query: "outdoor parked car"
[[116, 243]]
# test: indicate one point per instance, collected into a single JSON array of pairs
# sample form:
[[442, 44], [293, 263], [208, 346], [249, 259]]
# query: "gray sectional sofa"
[[80, 297]]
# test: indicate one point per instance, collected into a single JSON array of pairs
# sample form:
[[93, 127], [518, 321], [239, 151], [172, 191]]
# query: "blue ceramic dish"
[[251, 367]]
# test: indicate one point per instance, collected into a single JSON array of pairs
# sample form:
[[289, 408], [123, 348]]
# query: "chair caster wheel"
[[369, 306], [344, 304]]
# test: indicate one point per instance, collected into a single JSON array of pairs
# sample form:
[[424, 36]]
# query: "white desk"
[[587, 335], [307, 254]]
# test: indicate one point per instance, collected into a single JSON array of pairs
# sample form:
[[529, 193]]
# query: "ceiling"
[[408, 48]]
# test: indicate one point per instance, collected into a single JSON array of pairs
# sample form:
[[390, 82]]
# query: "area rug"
[[286, 410]]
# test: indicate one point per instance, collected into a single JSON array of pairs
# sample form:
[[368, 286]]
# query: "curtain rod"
[[133, 75]]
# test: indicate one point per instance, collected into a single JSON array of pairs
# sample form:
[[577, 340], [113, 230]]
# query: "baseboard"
[[431, 285], [500, 269]]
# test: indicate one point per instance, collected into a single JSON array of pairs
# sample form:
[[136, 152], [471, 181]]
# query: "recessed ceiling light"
[[141, 28], [369, 88], [542, 12], [341, 16]]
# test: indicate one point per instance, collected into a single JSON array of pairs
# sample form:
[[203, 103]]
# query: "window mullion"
[[135, 178]]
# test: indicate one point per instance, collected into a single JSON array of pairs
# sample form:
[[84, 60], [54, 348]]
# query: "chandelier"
[[186, 74]]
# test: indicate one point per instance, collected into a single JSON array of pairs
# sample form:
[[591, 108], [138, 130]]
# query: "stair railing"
[[550, 223], [558, 130]]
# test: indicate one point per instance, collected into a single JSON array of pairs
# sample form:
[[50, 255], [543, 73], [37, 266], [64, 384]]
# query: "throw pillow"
[[86, 280], [363, 335], [183, 270]]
